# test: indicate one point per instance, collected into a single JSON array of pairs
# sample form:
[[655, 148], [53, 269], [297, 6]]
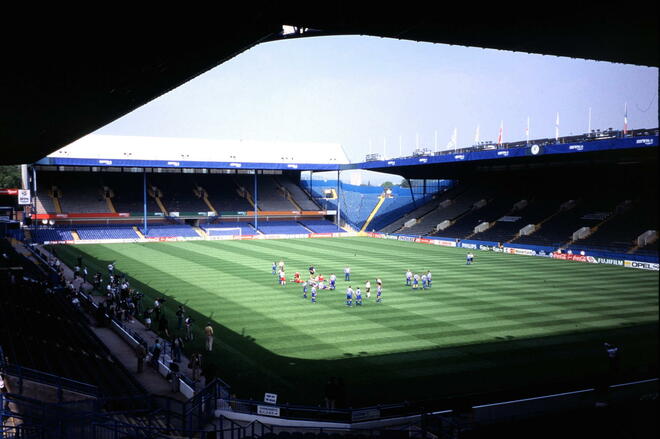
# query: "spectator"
[[147, 318], [195, 365], [613, 358], [331, 393], [141, 353], [3, 391], [208, 331], [188, 324], [177, 347], [209, 373], [179, 317], [156, 309], [163, 328], [173, 377], [156, 350]]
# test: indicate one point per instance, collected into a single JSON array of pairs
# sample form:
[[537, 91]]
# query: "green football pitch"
[[505, 322]]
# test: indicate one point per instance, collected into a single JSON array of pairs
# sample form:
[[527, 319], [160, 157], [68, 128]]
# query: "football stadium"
[[159, 287]]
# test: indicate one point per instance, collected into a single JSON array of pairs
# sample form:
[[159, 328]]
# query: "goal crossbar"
[[224, 231]]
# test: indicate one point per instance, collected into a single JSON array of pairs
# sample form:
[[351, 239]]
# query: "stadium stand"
[[107, 231], [79, 192], [450, 207], [281, 227], [300, 196], [610, 221], [419, 212], [127, 190], [43, 234], [222, 192], [506, 229], [269, 195], [169, 231], [41, 330], [358, 202], [178, 193], [620, 232], [463, 227], [321, 226], [558, 230], [44, 199]]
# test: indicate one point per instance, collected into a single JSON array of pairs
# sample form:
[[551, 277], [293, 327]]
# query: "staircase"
[[373, 213], [244, 193], [108, 194], [156, 194], [56, 203]]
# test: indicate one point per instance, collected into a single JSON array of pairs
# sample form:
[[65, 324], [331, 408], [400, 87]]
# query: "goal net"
[[223, 232]]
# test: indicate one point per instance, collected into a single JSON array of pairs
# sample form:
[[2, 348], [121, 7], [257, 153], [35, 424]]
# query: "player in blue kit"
[[424, 282], [469, 258], [333, 279], [428, 278], [415, 283], [408, 278], [358, 297], [305, 290], [349, 296], [313, 294], [274, 268]]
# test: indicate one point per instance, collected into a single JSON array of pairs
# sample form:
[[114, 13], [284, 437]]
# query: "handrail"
[[26, 373]]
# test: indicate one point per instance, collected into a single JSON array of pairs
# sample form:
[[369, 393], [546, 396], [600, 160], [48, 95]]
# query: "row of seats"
[[122, 231]]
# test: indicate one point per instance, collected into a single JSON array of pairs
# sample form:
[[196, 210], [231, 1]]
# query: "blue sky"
[[362, 91]]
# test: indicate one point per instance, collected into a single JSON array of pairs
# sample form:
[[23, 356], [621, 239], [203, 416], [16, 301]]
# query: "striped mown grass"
[[505, 322]]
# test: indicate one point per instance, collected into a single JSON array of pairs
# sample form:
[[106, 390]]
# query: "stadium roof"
[[572, 157], [64, 78], [137, 151]]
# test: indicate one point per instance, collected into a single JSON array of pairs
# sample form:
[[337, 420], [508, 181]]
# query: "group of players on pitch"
[[317, 282]]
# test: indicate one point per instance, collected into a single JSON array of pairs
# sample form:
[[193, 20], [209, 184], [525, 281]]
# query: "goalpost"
[[223, 232]]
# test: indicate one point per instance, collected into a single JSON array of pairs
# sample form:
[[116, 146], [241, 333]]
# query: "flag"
[[527, 130], [453, 142], [625, 119], [499, 138], [557, 128]]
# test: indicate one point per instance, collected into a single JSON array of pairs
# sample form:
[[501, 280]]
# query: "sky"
[[388, 96]]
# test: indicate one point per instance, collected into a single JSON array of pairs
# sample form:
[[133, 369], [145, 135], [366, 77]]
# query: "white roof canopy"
[[96, 146]]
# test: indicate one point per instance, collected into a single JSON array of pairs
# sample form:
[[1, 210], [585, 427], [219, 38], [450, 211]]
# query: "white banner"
[[24, 197], [520, 251], [268, 411], [443, 243], [642, 265]]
